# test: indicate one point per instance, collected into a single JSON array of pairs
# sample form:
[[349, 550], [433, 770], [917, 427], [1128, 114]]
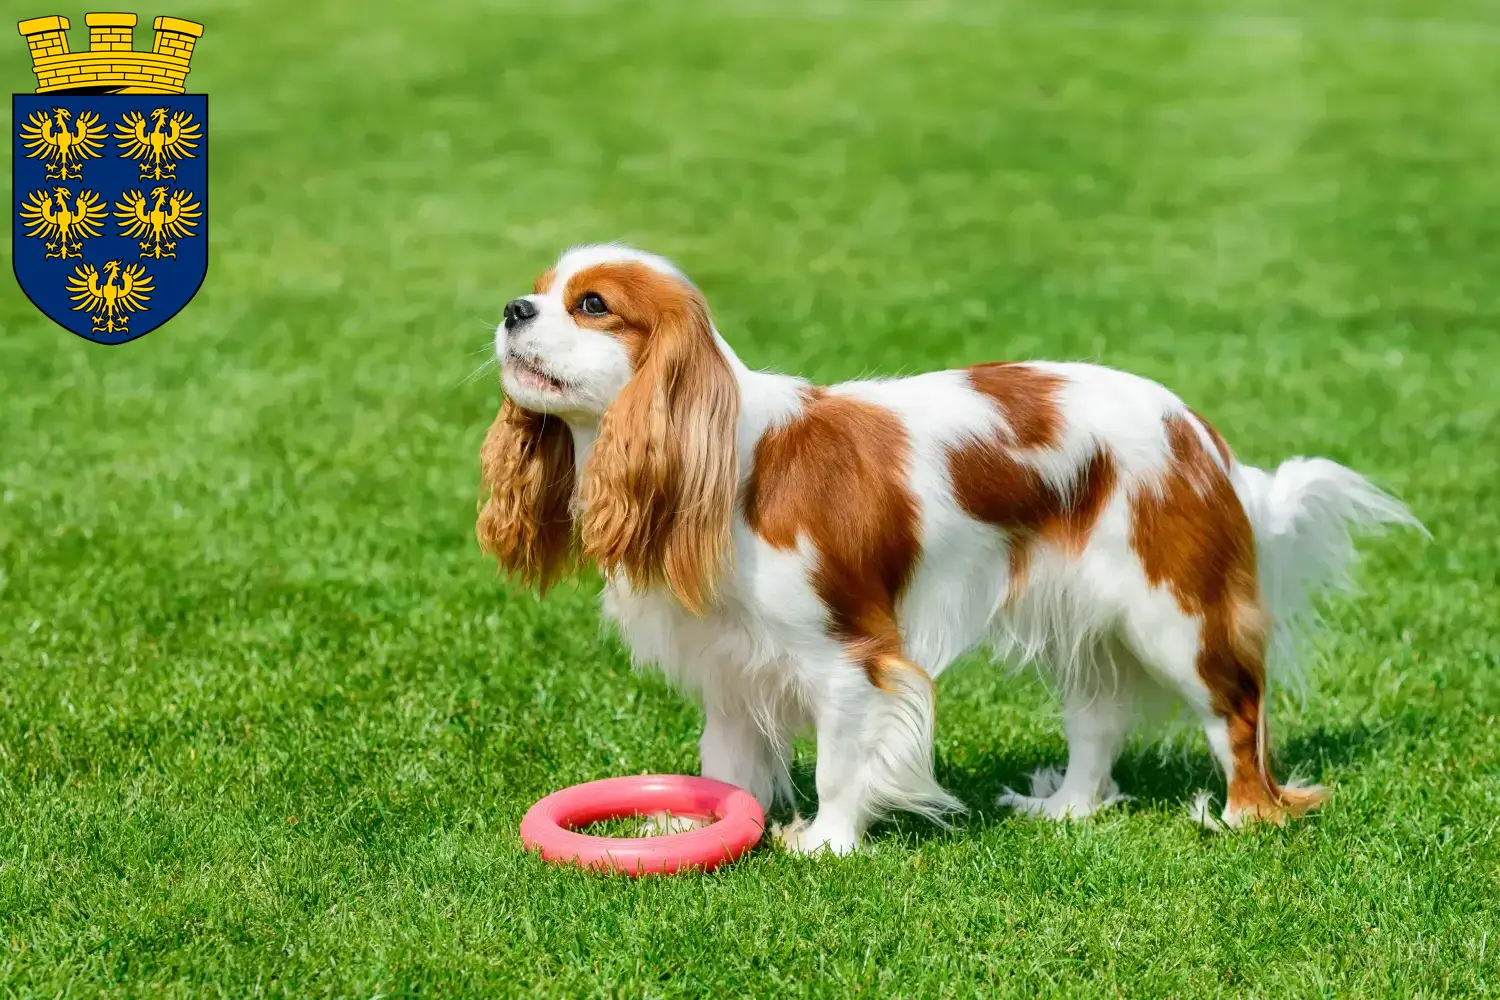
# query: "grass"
[[268, 721]]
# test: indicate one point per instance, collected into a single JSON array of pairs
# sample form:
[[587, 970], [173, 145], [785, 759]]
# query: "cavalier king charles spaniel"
[[810, 558]]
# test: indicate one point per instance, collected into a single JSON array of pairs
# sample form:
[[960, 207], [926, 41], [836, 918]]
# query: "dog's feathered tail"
[[1305, 516]]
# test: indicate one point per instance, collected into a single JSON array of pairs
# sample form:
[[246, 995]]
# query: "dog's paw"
[[789, 835], [1049, 800], [1296, 799], [807, 837]]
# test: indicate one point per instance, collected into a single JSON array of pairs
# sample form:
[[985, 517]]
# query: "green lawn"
[[268, 720]]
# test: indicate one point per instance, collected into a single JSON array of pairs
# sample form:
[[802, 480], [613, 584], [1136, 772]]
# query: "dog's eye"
[[592, 305]]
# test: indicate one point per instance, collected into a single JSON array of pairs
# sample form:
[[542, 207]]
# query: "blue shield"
[[109, 214]]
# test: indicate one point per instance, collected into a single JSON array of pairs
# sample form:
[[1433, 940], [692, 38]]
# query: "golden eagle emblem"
[[171, 138], [64, 228], [63, 149], [158, 224], [109, 303]]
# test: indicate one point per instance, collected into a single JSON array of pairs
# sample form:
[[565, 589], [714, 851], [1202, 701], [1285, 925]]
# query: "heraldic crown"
[[111, 65]]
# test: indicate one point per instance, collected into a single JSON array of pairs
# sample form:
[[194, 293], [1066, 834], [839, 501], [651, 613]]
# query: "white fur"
[[1305, 514], [762, 661]]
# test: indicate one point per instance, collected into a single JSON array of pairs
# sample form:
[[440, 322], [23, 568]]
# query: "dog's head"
[[620, 416]]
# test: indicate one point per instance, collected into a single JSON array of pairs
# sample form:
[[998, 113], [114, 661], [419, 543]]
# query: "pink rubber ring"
[[550, 826]]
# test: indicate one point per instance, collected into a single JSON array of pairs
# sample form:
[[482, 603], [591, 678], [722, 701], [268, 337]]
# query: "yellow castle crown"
[[111, 65]]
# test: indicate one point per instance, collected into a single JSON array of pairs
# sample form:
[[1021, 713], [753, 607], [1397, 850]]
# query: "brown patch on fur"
[[1220, 444], [992, 485], [1192, 534], [659, 487], [635, 295], [1193, 537], [1026, 397], [526, 467], [1020, 565], [886, 672], [836, 475], [1297, 800], [543, 284]]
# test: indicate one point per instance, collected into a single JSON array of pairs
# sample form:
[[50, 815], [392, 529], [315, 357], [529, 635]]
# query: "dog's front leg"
[[874, 729], [734, 749]]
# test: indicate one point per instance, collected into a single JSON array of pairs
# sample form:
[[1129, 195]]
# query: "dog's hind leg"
[[1216, 662], [1098, 711]]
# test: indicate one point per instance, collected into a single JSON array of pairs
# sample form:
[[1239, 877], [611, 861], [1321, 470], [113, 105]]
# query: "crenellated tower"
[[111, 65]]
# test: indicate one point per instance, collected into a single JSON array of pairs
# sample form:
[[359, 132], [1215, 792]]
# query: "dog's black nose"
[[518, 312]]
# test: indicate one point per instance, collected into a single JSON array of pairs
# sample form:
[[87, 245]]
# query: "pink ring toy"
[[550, 826]]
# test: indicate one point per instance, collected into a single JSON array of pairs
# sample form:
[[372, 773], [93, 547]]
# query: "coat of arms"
[[110, 177]]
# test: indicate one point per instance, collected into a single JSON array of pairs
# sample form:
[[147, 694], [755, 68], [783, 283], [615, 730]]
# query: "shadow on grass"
[[1157, 776]]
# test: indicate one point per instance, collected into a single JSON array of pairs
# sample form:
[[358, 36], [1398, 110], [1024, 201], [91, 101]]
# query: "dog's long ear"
[[525, 520], [659, 487]]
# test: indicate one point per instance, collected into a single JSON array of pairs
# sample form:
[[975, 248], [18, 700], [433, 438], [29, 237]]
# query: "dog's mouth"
[[531, 375]]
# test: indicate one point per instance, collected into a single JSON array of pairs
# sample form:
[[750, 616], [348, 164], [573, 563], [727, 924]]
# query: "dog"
[[806, 557]]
